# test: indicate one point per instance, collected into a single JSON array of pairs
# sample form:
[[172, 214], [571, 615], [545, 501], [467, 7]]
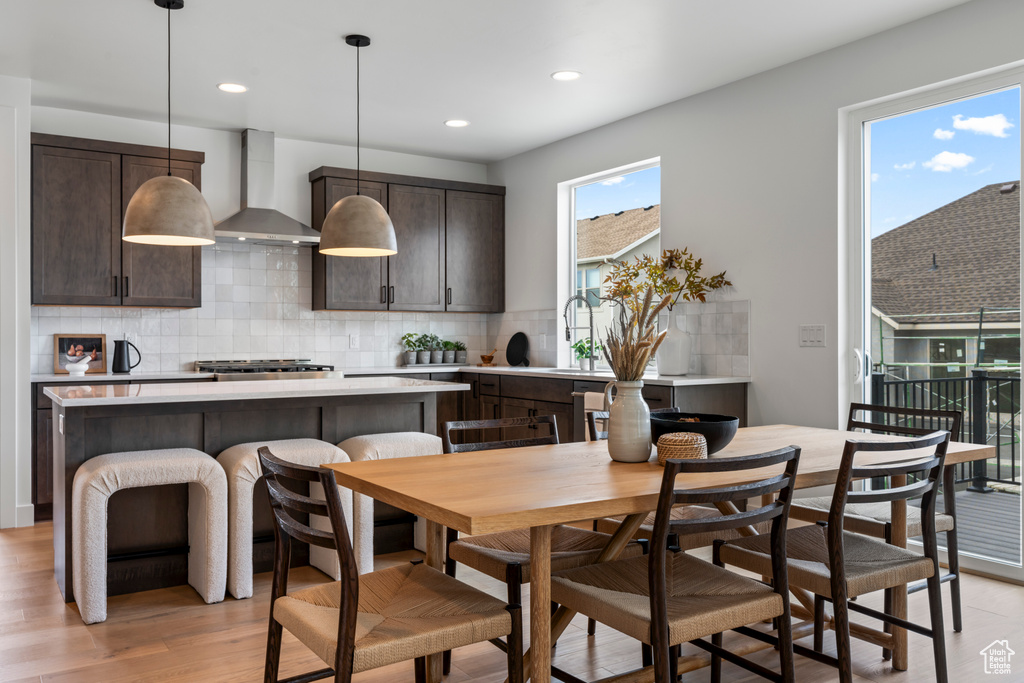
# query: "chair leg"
[[591, 627], [938, 633], [841, 619], [819, 623], [451, 535], [674, 653], [420, 666], [785, 647], [515, 645], [273, 652], [716, 661], [953, 557], [887, 608], [646, 655]]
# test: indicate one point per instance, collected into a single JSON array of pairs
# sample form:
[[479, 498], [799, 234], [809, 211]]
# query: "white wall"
[[15, 399], [293, 159], [750, 183]]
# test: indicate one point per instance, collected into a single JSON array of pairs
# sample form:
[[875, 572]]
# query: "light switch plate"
[[353, 341], [812, 335]]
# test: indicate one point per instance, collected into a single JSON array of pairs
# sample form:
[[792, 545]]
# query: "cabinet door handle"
[[383, 294], [391, 299], [449, 301], [126, 286], [114, 278]]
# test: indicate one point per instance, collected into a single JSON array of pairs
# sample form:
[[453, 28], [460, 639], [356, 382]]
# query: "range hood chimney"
[[258, 221]]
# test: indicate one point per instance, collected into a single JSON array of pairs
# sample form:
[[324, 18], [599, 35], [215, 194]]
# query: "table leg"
[[899, 593], [540, 603], [435, 558]]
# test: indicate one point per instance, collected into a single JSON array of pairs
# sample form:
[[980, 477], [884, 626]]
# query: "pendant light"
[[358, 225], [167, 210]]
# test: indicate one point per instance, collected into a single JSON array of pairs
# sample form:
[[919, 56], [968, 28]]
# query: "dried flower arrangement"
[[635, 286]]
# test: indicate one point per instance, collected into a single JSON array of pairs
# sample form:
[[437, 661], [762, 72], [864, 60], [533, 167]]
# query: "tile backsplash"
[[257, 304]]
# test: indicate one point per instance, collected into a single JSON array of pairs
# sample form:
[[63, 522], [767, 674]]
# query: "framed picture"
[[75, 348]]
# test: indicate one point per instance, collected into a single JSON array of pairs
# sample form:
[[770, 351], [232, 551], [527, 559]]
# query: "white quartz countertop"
[[557, 373], [129, 377], [84, 394]]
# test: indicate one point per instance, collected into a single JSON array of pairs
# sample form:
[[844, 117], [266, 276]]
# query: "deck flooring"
[[989, 525]]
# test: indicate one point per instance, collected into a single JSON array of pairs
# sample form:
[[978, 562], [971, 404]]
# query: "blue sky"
[[926, 159], [629, 191]]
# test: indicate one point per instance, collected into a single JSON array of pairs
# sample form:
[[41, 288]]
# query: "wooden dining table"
[[538, 487]]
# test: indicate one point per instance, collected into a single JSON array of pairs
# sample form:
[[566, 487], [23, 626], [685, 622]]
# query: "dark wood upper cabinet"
[[341, 282], [416, 274], [156, 275], [79, 191], [475, 251], [451, 246], [76, 199]]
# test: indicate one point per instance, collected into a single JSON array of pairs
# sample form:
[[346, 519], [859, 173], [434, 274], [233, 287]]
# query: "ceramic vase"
[[436, 356], [673, 357], [410, 357], [629, 422], [449, 356], [423, 357], [461, 356]]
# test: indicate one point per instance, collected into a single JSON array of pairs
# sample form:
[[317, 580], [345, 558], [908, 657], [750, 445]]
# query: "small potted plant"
[[449, 351], [422, 349], [584, 349], [432, 344], [461, 355], [410, 346]]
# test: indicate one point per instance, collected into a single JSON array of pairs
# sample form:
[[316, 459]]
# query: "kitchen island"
[[147, 527]]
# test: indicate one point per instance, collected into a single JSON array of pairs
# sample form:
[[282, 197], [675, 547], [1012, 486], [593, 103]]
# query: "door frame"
[[854, 234]]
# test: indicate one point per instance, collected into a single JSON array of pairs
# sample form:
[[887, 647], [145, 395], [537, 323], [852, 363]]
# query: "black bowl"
[[718, 430]]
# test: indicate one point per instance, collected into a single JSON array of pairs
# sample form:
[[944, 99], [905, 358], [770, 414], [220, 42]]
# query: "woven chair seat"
[[870, 564], [405, 612], [702, 598], [609, 525], [570, 547], [860, 517]]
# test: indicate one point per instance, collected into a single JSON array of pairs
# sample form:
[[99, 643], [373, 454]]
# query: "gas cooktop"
[[253, 366]]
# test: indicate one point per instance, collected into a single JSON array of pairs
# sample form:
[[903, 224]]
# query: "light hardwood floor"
[[171, 635]]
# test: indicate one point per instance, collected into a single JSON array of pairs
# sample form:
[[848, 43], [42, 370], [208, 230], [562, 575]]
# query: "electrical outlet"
[[812, 335], [353, 341], [129, 336]]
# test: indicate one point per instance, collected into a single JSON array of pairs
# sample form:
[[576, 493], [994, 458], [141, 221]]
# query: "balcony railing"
[[991, 408]]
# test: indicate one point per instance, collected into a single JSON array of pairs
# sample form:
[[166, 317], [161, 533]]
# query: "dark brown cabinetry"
[[79, 191], [451, 245]]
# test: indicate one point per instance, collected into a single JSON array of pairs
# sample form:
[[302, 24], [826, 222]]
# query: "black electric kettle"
[[122, 364]]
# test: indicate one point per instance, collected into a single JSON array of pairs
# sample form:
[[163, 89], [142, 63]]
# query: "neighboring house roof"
[[611, 235], [975, 241]]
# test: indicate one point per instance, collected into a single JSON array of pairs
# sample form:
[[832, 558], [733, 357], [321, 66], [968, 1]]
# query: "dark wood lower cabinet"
[[42, 465]]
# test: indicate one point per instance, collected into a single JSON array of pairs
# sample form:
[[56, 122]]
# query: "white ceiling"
[[487, 61]]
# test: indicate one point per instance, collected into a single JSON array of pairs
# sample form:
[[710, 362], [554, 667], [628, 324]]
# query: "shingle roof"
[[975, 241], [607, 235]]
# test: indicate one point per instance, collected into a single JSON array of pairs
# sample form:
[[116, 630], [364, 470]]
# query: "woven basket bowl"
[[682, 445]]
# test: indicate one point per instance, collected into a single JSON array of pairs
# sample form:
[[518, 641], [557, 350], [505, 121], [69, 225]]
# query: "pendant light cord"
[[358, 50], [168, 88]]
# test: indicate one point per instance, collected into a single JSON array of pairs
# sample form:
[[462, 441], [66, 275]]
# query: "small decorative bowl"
[[718, 430]]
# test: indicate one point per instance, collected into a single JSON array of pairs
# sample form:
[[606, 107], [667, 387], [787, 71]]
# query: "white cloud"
[[940, 134], [905, 167], [613, 181], [987, 125], [947, 161], [875, 177]]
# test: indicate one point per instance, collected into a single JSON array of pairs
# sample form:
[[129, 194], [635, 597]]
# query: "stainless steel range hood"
[[258, 221]]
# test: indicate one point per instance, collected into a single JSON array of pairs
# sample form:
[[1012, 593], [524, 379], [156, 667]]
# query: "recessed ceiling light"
[[456, 123], [566, 75], [241, 239], [232, 87]]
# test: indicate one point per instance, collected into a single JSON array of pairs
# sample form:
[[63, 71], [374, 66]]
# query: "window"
[[616, 216], [588, 284]]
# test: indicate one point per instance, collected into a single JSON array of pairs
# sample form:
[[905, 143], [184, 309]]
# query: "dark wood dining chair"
[[505, 556], [668, 598], [838, 566], [376, 619], [875, 519]]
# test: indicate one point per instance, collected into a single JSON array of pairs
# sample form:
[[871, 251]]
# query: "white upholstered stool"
[[242, 465], [381, 447], [99, 478]]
